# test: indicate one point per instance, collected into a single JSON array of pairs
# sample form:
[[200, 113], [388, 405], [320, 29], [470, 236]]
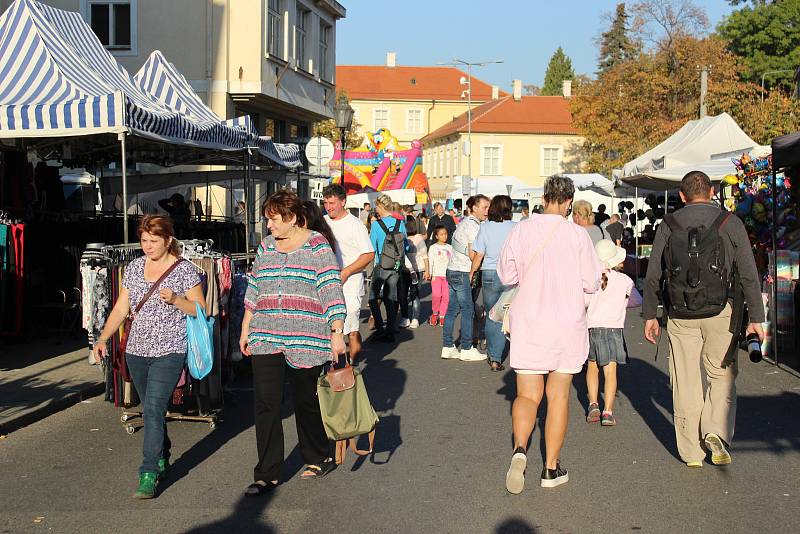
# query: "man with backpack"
[[388, 237], [704, 256]]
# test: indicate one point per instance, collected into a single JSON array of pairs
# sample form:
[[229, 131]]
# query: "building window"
[[491, 160], [113, 21], [324, 42], [551, 160], [441, 161], [274, 27], [300, 36], [447, 161], [456, 170], [414, 121], [380, 119]]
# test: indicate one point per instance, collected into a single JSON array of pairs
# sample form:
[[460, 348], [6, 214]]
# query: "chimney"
[[517, 87], [391, 59], [566, 88], [495, 92]]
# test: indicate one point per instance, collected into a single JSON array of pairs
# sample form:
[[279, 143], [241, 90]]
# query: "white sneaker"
[[414, 324], [404, 323], [472, 355], [449, 353]]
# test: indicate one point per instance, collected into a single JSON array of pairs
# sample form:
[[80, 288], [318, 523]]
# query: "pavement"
[[442, 450], [42, 377]]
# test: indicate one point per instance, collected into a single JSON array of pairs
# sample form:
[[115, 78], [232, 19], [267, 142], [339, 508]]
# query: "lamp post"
[[344, 121], [763, 75], [468, 91]]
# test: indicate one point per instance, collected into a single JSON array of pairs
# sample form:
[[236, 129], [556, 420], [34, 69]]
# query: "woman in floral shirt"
[[157, 345]]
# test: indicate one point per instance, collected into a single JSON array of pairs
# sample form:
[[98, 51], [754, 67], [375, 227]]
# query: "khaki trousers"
[[695, 413]]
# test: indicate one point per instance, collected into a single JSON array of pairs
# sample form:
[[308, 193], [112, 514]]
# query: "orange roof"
[[378, 82], [531, 115]]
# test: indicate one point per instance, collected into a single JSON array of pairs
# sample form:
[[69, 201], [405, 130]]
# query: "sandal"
[[257, 490], [496, 366], [319, 471]]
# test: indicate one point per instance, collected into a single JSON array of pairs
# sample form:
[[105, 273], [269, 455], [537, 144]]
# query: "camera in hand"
[[754, 348]]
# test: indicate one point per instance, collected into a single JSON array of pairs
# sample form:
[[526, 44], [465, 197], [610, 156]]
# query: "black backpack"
[[696, 282], [393, 251]]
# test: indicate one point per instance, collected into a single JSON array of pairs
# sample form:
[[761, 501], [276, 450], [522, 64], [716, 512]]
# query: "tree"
[[531, 90], [767, 38], [615, 46], [558, 70], [640, 102], [328, 128], [660, 23]]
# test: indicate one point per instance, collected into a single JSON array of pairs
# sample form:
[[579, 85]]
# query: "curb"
[[49, 408]]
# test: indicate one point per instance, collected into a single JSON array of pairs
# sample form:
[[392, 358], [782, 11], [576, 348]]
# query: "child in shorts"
[[606, 321]]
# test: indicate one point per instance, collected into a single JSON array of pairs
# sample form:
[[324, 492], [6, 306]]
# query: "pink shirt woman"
[[548, 318]]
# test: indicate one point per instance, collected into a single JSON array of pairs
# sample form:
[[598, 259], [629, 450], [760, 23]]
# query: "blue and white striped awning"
[[57, 79], [164, 81]]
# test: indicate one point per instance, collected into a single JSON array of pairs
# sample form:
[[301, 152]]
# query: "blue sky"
[[523, 33]]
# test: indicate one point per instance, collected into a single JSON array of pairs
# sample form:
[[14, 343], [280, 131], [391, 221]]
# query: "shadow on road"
[[771, 420], [246, 516], [515, 525]]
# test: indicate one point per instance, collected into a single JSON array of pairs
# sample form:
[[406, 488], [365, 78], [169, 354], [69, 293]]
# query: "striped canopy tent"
[[164, 81]]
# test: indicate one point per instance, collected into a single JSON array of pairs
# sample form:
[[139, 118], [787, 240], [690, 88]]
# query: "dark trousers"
[[155, 379], [384, 287], [269, 373]]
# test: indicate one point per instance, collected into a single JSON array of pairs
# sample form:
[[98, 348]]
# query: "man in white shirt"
[[354, 252], [458, 280]]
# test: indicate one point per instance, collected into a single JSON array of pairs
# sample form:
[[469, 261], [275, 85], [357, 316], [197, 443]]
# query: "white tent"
[[706, 144], [402, 196]]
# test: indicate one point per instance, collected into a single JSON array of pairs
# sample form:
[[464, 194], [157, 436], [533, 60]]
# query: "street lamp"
[[771, 72], [468, 92], [344, 121]]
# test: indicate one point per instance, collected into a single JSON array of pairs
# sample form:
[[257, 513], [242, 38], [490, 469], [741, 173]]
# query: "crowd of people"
[[563, 278]]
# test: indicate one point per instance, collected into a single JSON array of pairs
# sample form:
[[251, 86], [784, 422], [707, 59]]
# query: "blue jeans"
[[155, 379], [384, 287], [495, 339], [460, 301]]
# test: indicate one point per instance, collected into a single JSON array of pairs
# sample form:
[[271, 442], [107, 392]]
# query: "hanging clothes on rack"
[[215, 269], [12, 275]]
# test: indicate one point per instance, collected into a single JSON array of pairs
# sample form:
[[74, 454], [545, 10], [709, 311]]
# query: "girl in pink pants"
[[439, 255]]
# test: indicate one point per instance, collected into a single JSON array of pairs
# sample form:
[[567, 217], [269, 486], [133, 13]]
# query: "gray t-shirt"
[[159, 328], [596, 233]]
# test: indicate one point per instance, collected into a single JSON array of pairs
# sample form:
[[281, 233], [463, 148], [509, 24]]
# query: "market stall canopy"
[[592, 182], [786, 150], [706, 144], [164, 81], [58, 80]]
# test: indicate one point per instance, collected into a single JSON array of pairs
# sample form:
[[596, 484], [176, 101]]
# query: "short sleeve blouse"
[[159, 328]]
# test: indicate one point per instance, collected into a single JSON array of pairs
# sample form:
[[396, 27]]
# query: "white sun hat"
[[610, 254]]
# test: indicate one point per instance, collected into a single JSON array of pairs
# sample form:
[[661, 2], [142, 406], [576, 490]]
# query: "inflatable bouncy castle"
[[381, 165]]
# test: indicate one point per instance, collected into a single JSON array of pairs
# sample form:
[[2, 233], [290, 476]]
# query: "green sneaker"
[[147, 486], [163, 469], [719, 453]]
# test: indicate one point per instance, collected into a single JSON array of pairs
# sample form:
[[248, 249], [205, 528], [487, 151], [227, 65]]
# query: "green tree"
[[615, 45], [766, 36], [558, 70]]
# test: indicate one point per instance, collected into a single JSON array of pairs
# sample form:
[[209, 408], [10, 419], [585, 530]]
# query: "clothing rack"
[[207, 393]]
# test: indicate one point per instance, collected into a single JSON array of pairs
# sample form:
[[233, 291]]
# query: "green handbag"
[[346, 414]]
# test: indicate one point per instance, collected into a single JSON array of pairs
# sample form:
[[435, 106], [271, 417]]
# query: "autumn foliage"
[[638, 103]]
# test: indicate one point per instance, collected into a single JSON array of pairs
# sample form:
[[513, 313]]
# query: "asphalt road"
[[442, 450]]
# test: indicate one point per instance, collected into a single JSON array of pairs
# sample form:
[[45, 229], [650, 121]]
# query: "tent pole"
[[636, 232], [666, 201], [124, 188], [774, 305], [247, 207]]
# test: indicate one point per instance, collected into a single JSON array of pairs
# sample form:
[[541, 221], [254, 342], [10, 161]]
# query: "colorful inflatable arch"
[[381, 165]]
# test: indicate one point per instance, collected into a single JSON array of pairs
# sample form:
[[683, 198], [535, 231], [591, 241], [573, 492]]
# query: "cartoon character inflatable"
[[381, 164]]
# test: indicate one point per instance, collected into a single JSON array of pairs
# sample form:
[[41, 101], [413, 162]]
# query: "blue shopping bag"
[[200, 337]]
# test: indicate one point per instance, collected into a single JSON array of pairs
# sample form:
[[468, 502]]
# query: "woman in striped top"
[[293, 324]]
